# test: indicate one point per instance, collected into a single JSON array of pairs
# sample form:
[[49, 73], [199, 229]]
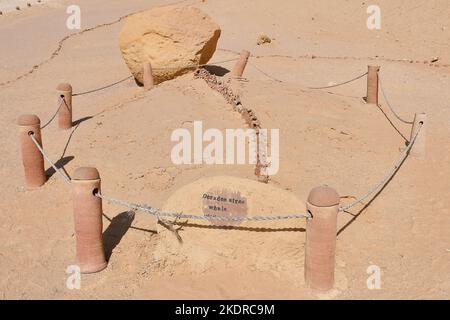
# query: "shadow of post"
[[60, 165], [116, 230], [240, 228], [81, 120], [216, 70], [355, 216]]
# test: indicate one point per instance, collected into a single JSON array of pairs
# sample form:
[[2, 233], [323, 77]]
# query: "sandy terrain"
[[326, 137], [7, 6]]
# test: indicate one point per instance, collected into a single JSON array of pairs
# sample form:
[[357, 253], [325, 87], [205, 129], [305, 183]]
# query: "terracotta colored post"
[[64, 91], [372, 84], [32, 158], [418, 150], [321, 229], [88, 220], [148, 76], [240, 65]]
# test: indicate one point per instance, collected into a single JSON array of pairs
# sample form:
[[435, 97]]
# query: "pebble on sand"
[[263, 39]]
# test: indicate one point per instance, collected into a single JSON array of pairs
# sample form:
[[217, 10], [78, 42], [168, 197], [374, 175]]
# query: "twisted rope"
[[102, 88], [264, 73], [54, 115], [63, 175], [311, 88], [387, 177], [389, 104], [158, 214], [340, 84]]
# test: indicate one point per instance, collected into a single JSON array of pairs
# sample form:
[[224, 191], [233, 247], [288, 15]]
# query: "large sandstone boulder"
[[175, 40]]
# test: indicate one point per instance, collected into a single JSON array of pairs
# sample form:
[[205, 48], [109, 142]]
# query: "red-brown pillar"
[[418, 150], [372, 84], [240, 65], [148, 76], [32, 158], [88, 220], [64, 91], [321, 229]]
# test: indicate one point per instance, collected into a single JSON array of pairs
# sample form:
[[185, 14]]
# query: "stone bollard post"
[[148, 76], [240, 65], [372, 84], [32, 158], [64, 91], [321, 229], [88, 220], [418, 150]]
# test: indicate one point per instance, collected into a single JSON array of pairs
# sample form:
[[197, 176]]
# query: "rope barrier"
[[389, 104], [264, 73], [157, 213], [56, 113], [102, 88], [311, 88], [193, 66], [340, 84], [397, 165], [63, 175], [391, 123], [387, 177]]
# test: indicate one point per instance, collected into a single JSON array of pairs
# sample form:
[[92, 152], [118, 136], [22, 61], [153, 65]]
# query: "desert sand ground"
[[18, 5], [327, 137]]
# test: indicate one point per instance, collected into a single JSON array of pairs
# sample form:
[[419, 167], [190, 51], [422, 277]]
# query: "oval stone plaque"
[[222, 202]]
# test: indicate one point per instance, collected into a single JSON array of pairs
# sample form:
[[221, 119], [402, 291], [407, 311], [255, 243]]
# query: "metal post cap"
[[86, 173], [64, 87], [323, 196], [28, 120]]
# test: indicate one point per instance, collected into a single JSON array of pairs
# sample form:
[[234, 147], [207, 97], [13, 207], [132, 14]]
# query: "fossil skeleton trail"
[[248, 115]]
